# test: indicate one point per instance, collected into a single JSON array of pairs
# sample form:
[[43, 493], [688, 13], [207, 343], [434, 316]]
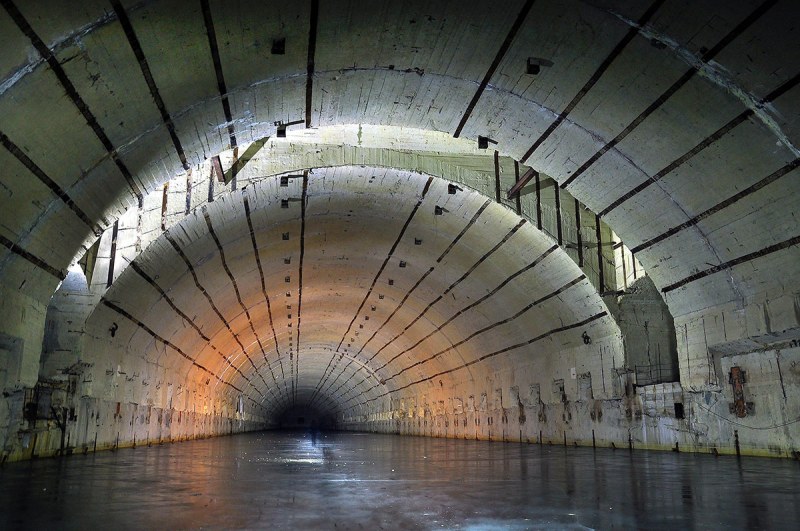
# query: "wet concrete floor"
[[293, 480]]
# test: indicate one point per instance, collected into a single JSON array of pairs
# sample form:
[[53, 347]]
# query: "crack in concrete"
[[717, 74], [720, 78], [60, 44]]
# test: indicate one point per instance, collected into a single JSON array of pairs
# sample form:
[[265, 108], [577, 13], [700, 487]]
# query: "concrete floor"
[[352, 481]]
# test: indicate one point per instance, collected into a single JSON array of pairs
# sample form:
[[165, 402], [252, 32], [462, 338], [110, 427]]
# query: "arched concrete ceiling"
[[353, 293], [677, 121]]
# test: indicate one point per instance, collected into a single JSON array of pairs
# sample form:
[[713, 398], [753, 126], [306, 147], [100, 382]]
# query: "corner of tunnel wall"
[[85, 406], [21, 333], [694, 413]]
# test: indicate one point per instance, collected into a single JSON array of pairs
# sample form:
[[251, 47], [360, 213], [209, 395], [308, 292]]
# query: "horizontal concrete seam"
[[708, 141], [667, 94], [166, 342], [774, 176], [30, 257], [235, 285], [498, 352], [512, 33], [610, 58], [469, 224], [731, 263], [496, 324], [454, 284], [34, 168], [25, 27], [136, 46]]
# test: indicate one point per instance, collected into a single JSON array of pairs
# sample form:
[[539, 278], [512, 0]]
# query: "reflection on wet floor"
[[301, 480]]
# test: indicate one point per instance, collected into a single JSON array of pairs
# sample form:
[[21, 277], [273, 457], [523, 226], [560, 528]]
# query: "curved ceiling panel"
[[676, 121], [344, 288]]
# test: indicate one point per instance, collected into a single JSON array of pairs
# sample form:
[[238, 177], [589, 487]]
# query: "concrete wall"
[[645, 418], [581, 393], [648, 332], [606, 402], [79, 404], [676, 122]]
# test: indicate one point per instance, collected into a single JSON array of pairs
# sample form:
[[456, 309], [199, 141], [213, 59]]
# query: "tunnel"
[[555, 223]]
